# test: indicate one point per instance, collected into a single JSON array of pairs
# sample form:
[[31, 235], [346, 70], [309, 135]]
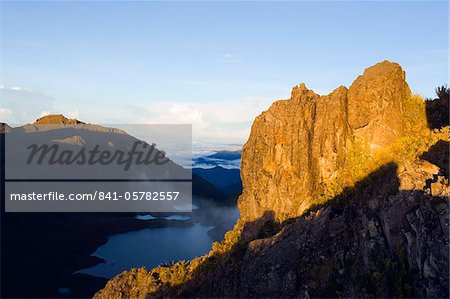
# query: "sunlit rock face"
[[376, 104], [298, 146], [57, 119]]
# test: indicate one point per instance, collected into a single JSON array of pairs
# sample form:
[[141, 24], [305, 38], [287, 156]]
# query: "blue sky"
[[213, 64]]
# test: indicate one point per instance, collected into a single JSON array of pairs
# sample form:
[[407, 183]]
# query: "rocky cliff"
[[345, 195], [57, 119], [299, 149]]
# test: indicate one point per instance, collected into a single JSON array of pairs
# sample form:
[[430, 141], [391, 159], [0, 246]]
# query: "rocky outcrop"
[[373, 242], [57, 119], [376, 104], [294, 146], [298, 147], [343, 197]]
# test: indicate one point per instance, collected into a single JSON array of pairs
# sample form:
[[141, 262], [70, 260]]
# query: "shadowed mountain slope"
[[41, 251], [227, 180]]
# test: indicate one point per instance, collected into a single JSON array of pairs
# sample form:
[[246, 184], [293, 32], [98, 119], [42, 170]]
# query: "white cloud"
[[44, 113], [175, 113], [230, 58], [75, 114], [5, 114], [228, 120], [22, 105]]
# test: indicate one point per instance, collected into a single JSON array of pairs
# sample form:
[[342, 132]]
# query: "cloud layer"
[[226, 121], [20, 105]]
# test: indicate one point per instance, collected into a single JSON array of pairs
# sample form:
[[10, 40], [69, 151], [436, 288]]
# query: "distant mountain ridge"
[[57, 119], [226, 155], [52, 246], [201, 187], [223, 158], [227, 180]]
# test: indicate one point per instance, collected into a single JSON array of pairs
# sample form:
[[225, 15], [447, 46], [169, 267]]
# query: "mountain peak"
[[377, 102], [301, 149], [384, 68], [300, 91], [56, 119]]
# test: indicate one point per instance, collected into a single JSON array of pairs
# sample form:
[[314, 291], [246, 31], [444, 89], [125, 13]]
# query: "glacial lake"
[[150, 247]]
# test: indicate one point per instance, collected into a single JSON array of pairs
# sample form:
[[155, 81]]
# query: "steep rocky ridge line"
[[342, 198], [299, 150]]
